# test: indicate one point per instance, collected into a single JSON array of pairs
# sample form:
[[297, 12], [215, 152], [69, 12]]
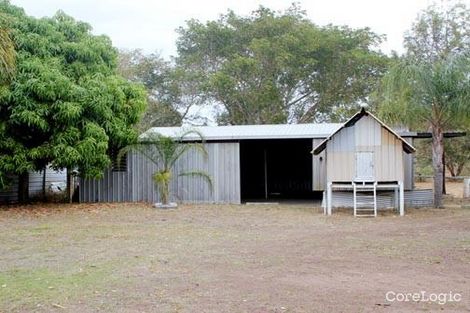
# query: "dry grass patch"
[[133, 258]]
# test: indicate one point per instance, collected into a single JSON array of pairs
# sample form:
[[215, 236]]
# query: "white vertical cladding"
[[389, 158], [318, 168], [366, 135], [340, 152]]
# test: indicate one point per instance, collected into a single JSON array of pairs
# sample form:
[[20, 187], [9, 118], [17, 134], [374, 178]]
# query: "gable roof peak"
[[408, 148]]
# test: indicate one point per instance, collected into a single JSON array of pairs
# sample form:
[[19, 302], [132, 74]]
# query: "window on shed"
[[118, 164]]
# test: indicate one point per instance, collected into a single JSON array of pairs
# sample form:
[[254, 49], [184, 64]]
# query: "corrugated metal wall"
[[222, 164], [340, 156], [413, 199], [389, 158], [319, 168], [35, 180], [113, 187], [10, 194], [367, 135]]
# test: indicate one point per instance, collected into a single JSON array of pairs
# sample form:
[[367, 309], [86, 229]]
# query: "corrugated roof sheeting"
[[239, 132]]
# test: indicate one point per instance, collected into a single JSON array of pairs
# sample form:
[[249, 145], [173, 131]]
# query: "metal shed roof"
[[241, 132]]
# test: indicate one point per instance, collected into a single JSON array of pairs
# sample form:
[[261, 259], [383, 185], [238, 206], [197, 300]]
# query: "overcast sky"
[[150, 25]]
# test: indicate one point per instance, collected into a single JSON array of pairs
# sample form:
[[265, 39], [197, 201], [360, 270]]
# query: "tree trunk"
[[451, 168], [438, 166], [459, 169], [23, 187], [69, 186], [443, 171]]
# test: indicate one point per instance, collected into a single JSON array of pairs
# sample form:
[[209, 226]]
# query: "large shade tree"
[[161, 80], [429, 87], [7, 51], [438, 31], [66, 105], [273, 67]]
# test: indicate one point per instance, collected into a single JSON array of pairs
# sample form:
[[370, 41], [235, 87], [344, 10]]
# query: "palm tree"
[[434, 96], [7, 51], [165, 152]]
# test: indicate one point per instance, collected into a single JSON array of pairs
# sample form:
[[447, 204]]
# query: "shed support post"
[[402, 198], [396, 198], [354, 199], [329, 198]]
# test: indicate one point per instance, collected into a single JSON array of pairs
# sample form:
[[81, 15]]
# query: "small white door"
[[365, 166]]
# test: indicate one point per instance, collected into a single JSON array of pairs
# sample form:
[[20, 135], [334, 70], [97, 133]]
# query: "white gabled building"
[[365, 156]]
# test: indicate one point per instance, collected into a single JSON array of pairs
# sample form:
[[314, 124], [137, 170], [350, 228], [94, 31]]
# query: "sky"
[[150, 24]]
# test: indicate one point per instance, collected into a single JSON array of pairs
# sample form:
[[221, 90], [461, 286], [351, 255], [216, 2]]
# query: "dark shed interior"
[[276, 169]]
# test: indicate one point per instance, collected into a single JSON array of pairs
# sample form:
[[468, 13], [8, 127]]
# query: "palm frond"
[[420, 93], [146, 150], [165, 152], [185, 147], [200, 174], [191, 132]]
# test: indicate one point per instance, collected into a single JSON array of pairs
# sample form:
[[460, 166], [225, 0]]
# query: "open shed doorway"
[[276, 169]]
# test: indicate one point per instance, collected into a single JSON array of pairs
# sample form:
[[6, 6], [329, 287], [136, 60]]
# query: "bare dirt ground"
[[453, 188], [133, 258]]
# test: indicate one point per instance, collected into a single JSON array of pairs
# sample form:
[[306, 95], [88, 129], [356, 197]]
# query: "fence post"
[[466, 188]]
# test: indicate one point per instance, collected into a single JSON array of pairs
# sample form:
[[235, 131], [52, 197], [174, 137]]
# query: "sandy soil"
[[132, 258], [453, 188]]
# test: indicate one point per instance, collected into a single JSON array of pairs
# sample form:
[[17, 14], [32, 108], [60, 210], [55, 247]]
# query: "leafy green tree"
[[434, 96], [66, 104], [7, 51], [165, 152], [161, 82], [457, 154], [278, 67], [172, 90], [428, 88], [439, 31]]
